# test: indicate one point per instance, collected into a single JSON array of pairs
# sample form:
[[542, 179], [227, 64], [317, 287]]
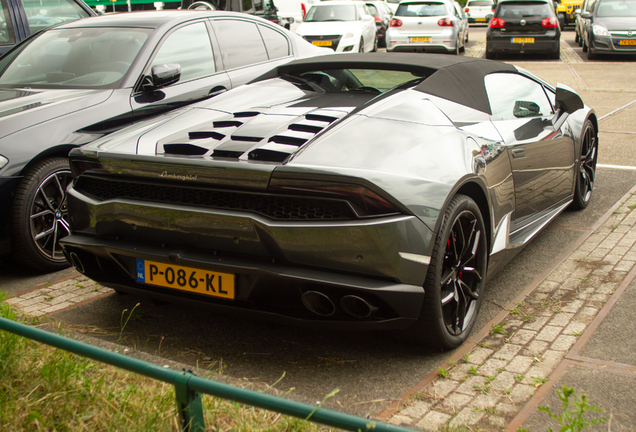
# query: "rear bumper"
[[500, 45], [610, 45], [264, 290]]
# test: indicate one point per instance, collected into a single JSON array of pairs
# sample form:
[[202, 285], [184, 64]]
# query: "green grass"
[[42, 388]]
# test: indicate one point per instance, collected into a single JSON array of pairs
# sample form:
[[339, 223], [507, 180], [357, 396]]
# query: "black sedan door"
[[202, 75]]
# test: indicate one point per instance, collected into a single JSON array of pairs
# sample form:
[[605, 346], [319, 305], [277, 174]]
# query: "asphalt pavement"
[[572, 324]]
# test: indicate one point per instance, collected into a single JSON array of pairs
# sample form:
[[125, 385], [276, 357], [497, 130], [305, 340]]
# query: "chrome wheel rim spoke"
[[460, 273], [48, 218]]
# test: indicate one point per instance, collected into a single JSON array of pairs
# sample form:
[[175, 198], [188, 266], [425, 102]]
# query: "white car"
[[479, 11], [341, 26], [427, 26]]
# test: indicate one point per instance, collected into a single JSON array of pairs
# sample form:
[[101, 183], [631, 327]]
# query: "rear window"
[[617, 9], [523, 10], [479, 3], [421, 9]]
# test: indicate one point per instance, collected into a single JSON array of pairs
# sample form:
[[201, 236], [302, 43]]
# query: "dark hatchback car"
[[610, 28], [526, 26], [76, 82], [21, 18]]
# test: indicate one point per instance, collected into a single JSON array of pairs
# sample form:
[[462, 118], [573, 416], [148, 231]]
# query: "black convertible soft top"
[[458, 79]]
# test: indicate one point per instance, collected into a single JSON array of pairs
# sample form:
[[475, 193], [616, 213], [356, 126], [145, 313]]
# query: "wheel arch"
[[475, 191], [61, 150]]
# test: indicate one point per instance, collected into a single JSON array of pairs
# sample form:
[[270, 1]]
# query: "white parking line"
[[621, 167]]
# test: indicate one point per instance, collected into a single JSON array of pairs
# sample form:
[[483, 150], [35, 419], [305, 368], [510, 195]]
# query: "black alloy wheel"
[[586, 174], [455, 281], [40, 215]]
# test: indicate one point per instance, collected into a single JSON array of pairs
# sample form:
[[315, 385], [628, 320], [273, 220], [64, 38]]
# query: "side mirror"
[[586, 15], [162, 75], [567, 100]]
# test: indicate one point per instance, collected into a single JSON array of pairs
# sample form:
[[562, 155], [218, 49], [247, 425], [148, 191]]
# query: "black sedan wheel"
[[40, 215], [587, 167], [455, 281]]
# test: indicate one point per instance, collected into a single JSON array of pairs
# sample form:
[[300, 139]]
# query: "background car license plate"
[[186, 279], [420, 39], [321, 43], [480, 19], [627, 42], [522, 40]]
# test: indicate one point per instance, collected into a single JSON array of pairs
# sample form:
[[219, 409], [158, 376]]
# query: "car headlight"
[[348, 35], [599, 30], [3, 161]]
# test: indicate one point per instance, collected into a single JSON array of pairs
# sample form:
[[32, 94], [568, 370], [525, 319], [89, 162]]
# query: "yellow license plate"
[[420, 39], [480, 19], [321, 43], [522, 40], [188, 279], [627, 42]]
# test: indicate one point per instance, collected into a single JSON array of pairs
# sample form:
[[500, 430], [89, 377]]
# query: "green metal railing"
[[188, 386]]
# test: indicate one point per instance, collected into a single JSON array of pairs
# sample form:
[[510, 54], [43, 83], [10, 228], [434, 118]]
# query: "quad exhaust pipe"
[[322, 305], [76, 262], [318, 303], [357, 306]]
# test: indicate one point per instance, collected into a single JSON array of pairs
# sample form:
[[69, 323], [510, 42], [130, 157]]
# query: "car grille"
[[335, 40], [278, 207]]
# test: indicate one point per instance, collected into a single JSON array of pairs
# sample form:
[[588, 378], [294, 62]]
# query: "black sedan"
[[523, 26], [69, 85], [610, 28], [361, 191]]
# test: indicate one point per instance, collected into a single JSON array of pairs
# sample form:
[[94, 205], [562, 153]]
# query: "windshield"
[[320, 13], [424, 9], [616, 9], [523, 10], [359, 80], [73, 58]]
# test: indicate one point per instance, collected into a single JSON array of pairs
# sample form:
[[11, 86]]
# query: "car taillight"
[[497, 23], [303, 9], [395, 23], [378, 19], [365, 202], [466, 10], [549, 22], [445, 22]]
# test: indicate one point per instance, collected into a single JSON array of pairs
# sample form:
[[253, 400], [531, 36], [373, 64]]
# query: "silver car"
[[426, 26]]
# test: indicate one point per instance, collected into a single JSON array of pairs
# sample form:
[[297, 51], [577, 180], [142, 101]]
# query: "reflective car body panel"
[[293, 185]]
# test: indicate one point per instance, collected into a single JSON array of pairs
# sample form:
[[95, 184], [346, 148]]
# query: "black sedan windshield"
[[74, 58]]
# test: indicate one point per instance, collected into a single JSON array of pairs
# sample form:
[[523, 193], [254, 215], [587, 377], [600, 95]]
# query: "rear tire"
[[491, 55], [361, 48], [40, 216], [456, 277], [586, 174]]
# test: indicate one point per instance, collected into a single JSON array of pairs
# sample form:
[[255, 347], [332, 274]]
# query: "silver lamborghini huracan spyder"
[[360, 191]]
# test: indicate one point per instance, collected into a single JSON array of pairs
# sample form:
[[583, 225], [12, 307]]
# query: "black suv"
[[21, 18], [523, 26], [262, 8]]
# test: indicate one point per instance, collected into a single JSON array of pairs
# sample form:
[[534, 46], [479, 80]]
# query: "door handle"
[[216, 91], [518, 153]]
